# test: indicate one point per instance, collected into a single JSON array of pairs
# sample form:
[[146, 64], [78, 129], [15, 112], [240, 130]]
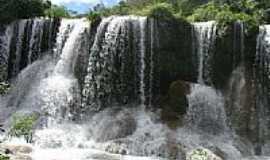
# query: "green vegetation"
[[57, 11], [3, 157], [22, 126], [4, 88], [19, 9], [225, 12], [228, 14]]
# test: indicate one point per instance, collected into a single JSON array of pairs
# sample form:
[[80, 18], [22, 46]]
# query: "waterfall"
[[111, 79], [206, 110], [21, 30], [5, 44], [24, 41], [60, 90], [238, 42], [262, 81], [121, 94], [152, 54], [204, 40], [142, 60], [35, 40]]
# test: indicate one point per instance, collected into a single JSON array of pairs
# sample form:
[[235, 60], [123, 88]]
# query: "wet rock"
[[202, 154], [16, 152], [14, 149], [175, 104]]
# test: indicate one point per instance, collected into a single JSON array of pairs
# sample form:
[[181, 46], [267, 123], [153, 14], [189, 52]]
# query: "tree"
[[57, 11], [19, 9]]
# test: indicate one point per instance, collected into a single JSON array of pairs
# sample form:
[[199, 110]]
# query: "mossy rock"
[[202, 154]]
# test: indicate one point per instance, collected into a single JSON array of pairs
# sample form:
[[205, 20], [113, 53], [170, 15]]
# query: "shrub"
[[226, 15], [4, 88], [3, 157], [161, 10], [17, 9], [93, 16], [22, 126], [57, 12]]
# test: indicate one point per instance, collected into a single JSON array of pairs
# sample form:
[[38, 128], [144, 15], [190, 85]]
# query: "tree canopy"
[[19, 9]]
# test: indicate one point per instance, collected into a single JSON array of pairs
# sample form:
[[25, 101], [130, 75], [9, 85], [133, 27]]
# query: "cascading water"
[[111, 79], [261, 73], [24, 41], [204, 40], [122, 70], [239, 42], [142, 60], [206, 110], [5, 42]]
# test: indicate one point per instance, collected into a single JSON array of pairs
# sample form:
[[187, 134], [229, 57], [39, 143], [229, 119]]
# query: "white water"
[[108, 130], [142, 59], [59, 90], [204, 37], [22, 25], [262, 62], [206, 110], [36, 39], [153, 38], [6, 42]]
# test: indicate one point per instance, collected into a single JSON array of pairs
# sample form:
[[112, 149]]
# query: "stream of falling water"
[[204, 38], [142, 59]]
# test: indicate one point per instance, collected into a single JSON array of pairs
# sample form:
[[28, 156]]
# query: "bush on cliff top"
[[226, 15]]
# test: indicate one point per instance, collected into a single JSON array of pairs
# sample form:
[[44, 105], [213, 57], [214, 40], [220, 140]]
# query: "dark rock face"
[[174, 53], [175, 104]]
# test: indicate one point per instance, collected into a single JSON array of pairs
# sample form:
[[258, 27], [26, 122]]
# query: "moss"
[[4, 157], [22, 126]]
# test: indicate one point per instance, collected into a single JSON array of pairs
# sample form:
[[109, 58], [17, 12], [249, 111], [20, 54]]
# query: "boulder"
[[17, 149], [16, 152]]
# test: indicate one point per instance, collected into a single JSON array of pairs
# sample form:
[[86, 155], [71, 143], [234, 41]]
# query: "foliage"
[[3, 157], [93, 16], [57, 11], [228, 14], [199, 154], [22, 126], [19, 9], [4, 88]]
